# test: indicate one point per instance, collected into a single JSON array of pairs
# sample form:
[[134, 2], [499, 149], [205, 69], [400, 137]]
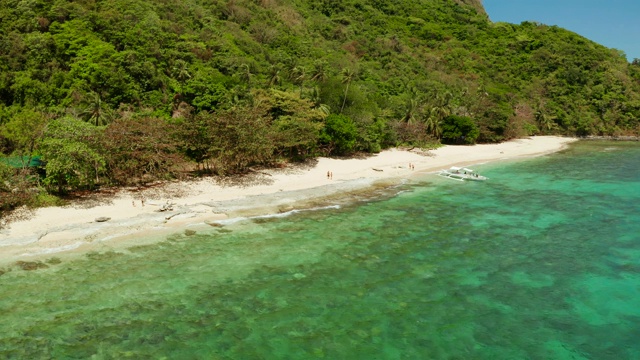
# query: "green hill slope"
[[306, 78], [146, 55]]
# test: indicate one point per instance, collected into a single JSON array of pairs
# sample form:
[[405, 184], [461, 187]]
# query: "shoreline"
[[134, 218]]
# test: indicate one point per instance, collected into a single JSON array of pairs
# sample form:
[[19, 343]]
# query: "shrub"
[[459, 130]]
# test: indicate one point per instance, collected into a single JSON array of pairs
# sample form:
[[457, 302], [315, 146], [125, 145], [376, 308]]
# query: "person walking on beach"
[[328, 175]]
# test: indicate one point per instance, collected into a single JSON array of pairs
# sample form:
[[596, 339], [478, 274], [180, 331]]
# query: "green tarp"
[[19, 161]]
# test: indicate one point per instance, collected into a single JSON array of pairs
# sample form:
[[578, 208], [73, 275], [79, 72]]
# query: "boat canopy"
[[454, 168]]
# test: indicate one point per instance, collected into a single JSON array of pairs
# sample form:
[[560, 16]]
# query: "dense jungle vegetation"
[[124, 92]]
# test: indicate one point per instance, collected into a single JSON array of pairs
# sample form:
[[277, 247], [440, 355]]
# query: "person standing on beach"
[[328, 175]]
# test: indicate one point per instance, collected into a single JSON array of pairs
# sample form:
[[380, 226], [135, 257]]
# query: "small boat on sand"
[[461, 174]]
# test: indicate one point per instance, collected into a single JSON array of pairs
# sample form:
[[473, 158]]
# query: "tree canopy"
[[230, 84]]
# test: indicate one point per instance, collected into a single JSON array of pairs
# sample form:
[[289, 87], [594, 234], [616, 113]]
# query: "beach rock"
[[31, 265], [213, 223], [285, 208], [189, 232], [54, 261], [102, 219]]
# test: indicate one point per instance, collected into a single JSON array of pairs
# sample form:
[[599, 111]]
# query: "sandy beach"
[[135, 215]]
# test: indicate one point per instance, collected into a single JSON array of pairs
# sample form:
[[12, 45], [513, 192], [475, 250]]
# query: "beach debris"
[[102, 219], [214, 223], [166, 207], [376, 169], [168, 217], [31, 265], [285, 209]]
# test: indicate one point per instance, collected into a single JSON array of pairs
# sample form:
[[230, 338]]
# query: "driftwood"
[[168, 217]]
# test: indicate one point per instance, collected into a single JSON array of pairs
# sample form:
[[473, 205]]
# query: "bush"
[[459, 130], [339, 134]]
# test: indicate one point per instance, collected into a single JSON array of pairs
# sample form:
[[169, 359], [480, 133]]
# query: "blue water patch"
[[542, 261]]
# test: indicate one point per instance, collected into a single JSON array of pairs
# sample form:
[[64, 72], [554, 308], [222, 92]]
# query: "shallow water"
[[540, 262]]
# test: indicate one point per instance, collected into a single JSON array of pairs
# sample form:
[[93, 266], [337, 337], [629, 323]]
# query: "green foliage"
[[206, 94], [339, 134], [197, 138], [286, 79], [43, 199], [140, 150], [6, 174], [296, 123], [24, 132], [152, 56], [72, 155], [16, 188], [459, 130], [241, 138]]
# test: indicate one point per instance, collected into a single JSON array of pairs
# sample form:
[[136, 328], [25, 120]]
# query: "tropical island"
[[256, 179], [97, 96]]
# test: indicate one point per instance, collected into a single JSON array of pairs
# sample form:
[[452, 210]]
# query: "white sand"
[[61, 229]]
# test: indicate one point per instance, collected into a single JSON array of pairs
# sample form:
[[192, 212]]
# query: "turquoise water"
[[540, 262]]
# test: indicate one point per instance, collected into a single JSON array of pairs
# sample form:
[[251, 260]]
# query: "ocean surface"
[[542, 261]]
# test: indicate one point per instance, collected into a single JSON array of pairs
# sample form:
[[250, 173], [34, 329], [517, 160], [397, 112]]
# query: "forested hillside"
[[120, 92]]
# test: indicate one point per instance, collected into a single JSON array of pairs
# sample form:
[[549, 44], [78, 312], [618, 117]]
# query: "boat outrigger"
[[461, 174]]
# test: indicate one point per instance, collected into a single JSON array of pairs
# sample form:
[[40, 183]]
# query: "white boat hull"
[[461, 174]]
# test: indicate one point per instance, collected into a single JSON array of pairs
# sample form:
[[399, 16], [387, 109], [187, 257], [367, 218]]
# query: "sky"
[[612, 23]]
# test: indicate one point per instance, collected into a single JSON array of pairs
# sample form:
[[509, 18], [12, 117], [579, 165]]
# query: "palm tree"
[[347, 77], [180, 72], [290, 64], [274, 75], [317, 98], [546, 121], [442, 106], [440, 111], [319, 74], [97, 111], [434, 124], [437, 111], [246, 75], [411, 111], [299, 75]]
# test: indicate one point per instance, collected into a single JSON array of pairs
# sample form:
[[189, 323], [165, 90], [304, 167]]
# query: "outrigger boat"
[[461, 174]]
